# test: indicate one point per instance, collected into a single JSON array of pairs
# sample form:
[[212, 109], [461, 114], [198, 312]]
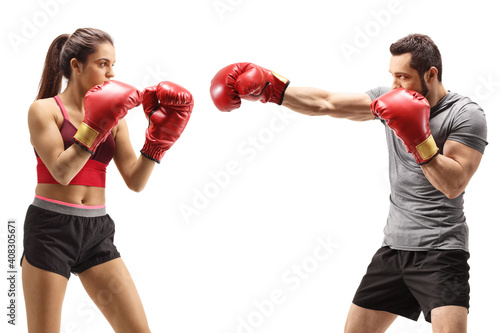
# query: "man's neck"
[[435, 95]]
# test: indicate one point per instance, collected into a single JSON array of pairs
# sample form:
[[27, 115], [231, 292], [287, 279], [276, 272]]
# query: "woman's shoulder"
[[44, 103], [43, 106], [43, 109]]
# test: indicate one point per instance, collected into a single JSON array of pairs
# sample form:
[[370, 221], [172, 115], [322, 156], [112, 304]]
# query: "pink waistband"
[[69, 204]]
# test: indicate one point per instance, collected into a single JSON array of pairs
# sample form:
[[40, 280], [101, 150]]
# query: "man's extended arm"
[[255, 83]]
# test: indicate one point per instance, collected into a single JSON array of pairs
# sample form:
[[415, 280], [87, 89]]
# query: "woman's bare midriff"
[[74, 194]]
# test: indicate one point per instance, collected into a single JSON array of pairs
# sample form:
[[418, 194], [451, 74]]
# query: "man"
[[436, 139]]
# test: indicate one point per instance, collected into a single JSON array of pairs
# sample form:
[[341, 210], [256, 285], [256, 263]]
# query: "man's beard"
[[425, 90]]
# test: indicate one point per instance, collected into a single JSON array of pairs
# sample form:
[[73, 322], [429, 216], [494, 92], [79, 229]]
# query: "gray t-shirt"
[[421, 217]]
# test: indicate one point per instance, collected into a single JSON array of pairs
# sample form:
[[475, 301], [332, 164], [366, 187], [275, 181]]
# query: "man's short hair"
[[424, 53]]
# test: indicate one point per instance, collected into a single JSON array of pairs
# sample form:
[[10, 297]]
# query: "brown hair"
[[79, 45], [424, 53]]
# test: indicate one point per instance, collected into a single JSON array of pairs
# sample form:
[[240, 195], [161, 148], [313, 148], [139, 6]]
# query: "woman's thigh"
[[112, 289], [43, 294]]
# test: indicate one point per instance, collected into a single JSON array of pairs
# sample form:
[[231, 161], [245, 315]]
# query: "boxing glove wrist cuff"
[[152, 152], [426, 150], [86, 137], [279, 86]]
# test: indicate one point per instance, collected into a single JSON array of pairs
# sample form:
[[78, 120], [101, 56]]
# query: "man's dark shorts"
[[409, 282]]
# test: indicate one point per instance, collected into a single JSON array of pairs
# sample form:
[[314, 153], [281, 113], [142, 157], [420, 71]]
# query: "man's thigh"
[[450, 318], [361, 320]]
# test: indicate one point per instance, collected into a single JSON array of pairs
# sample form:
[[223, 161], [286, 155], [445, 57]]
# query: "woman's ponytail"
[[51, 81]]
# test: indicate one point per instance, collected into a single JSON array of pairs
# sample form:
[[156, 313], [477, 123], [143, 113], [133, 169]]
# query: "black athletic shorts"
[[64, 238], [409, 282]]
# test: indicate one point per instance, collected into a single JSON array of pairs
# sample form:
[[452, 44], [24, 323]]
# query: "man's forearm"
[[317, 102], [451, 171], [446, 175], [308, 101]]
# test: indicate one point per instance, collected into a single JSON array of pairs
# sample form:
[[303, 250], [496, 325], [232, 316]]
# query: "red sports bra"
[[93, 172]]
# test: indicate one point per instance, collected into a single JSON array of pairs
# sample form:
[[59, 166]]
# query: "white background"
[[308, 178]]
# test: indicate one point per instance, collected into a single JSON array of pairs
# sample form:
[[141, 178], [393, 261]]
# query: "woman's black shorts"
[[64, 239]]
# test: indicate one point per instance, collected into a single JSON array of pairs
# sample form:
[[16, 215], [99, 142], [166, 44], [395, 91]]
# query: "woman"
[[75, 134]]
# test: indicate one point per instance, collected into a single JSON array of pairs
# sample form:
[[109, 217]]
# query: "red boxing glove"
[[407, 114], [105, 105], [168, 107], [248, 81]]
